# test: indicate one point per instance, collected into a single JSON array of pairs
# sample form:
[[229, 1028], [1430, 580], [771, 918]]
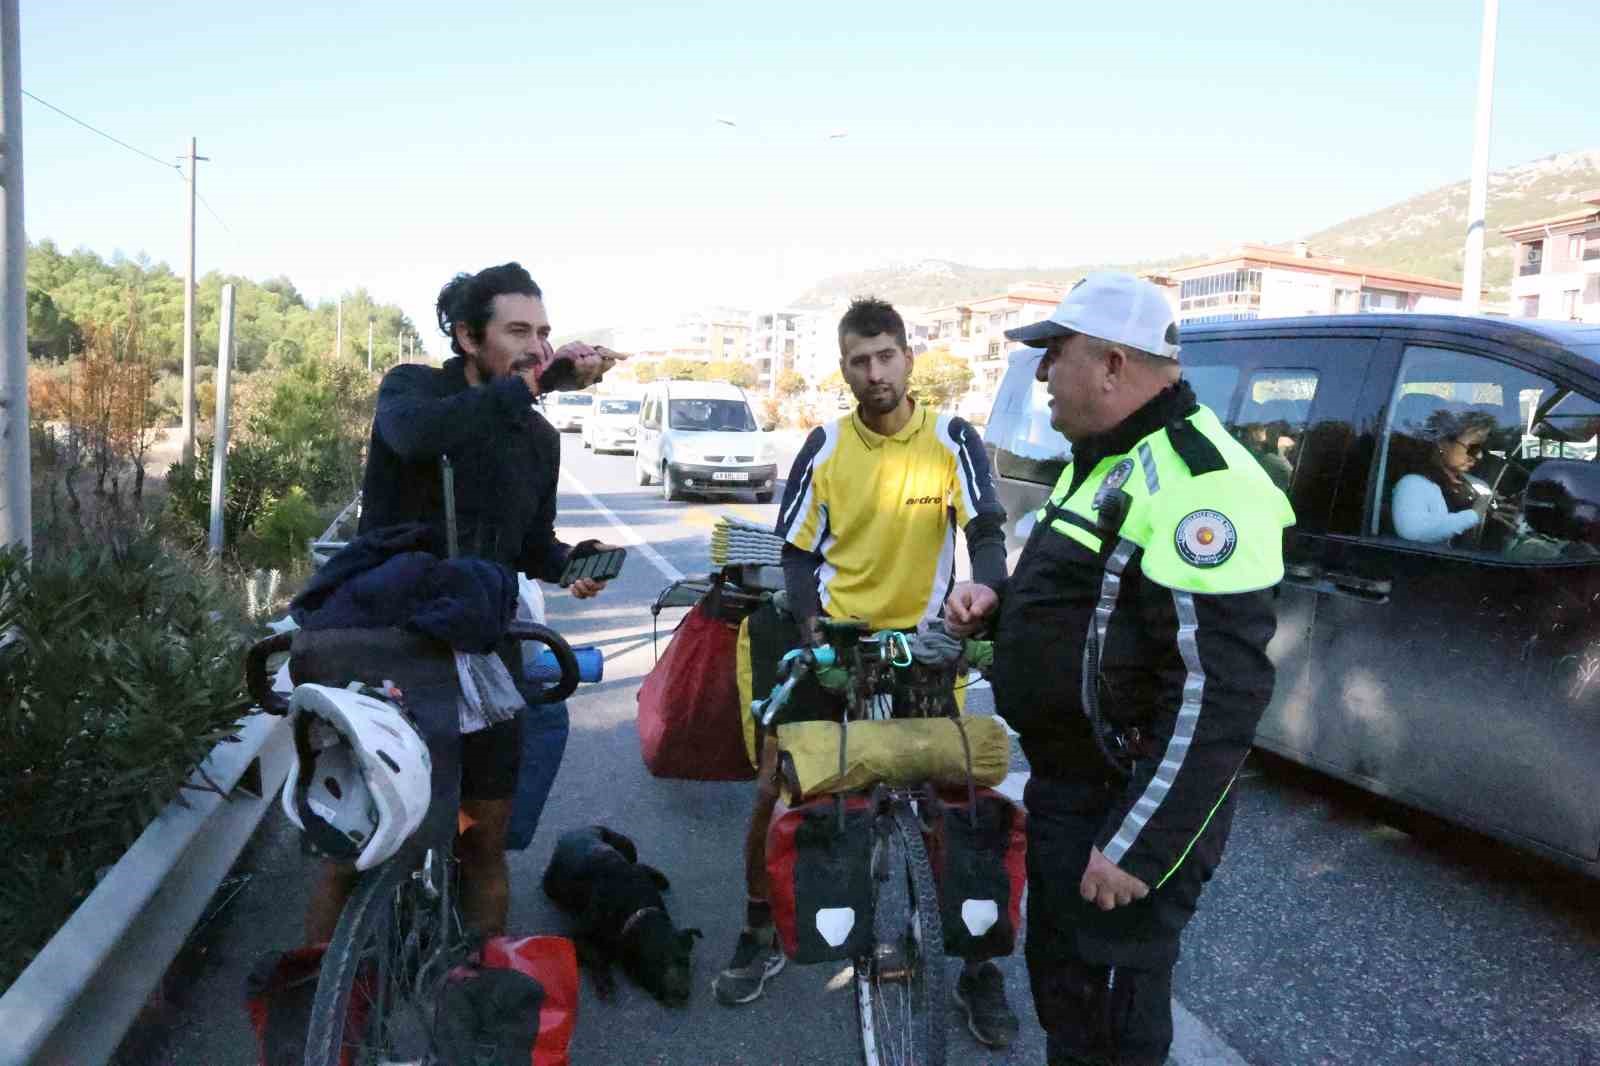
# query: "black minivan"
[[1456, 673]]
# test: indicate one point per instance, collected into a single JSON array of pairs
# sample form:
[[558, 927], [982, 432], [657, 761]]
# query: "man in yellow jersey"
[[870, 513], [1131, 659]]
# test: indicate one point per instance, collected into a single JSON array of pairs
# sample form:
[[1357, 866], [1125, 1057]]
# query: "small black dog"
[[596, 875]]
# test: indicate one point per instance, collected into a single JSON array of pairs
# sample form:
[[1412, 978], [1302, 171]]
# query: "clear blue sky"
[[390, 144]]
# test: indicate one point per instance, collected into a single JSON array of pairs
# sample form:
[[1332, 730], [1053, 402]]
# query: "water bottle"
[[540, 664]]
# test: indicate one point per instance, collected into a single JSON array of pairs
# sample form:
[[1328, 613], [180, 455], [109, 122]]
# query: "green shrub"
[[124, 672], [258, 476], [277, 540]]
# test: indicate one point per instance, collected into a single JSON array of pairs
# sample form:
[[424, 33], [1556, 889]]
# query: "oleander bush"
[[120, 670]]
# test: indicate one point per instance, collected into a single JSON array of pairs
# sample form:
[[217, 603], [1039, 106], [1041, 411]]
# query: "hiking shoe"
[[983, 996], [756, 958]]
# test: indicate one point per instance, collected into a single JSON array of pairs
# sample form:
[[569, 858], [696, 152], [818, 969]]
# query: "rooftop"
[[1303, 258]]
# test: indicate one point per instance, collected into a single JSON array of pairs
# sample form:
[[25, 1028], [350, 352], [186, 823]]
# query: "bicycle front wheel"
[[396, 938], [900, 986]]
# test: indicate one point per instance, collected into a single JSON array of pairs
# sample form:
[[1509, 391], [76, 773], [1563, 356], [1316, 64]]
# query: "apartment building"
[[1556, 264], [975, 330], [1256, 281]]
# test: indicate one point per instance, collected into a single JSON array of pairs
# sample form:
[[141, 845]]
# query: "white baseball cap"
[[1114, 307]]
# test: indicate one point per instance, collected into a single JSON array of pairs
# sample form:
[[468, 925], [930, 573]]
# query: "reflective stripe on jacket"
[[1144, 593]]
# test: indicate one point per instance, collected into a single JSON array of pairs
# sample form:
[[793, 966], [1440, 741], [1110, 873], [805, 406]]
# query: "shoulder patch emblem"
[[1116, 477], [1206, 538]]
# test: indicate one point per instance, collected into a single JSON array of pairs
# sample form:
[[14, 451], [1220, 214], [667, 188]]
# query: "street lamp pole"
[[1477, 201]]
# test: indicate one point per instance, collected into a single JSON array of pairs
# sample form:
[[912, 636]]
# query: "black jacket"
[[1151, 664], [506, 460]]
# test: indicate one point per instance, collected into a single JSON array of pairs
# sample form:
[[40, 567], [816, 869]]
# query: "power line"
[[102, 133], [170, 166], [213, 211]]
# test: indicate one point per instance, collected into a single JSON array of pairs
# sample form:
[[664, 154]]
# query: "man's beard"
[[880, 400]]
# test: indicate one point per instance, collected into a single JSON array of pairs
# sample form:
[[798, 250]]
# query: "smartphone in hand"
[[600, 565]]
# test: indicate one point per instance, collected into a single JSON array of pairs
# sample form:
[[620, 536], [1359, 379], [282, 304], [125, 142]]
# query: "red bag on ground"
[[689, 706], [980, 866], [279, 991], [553, 962]]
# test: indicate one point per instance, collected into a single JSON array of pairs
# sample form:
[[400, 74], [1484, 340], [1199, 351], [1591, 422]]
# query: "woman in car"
[[1440, 501]]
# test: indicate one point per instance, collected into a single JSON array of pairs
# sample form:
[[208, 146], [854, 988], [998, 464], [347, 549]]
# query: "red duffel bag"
[[689, 707], [553, 962]]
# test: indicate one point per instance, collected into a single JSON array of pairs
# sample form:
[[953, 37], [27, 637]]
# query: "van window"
[[1019, 435], [1463, 434], [710, 416], [618, 407], [1272, 418]]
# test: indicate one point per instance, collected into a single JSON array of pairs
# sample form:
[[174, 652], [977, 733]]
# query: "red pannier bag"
[[689, 706], [819, 879], [980, 866], [278, 996], [553, 962]]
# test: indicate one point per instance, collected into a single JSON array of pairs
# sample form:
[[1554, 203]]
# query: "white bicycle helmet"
[[361, 777]]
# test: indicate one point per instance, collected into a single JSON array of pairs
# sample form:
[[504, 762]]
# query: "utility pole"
[[219, 460], [400, 345], [338, 331], [187, 436], [1477, 200], [369, 345], [16, 504]]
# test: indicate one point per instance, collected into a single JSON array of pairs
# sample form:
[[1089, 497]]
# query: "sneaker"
[[983, 997], [756, 959]]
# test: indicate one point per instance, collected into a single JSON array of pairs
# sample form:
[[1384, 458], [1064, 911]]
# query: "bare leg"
[[333, 884], [486, 895], [755, 841]]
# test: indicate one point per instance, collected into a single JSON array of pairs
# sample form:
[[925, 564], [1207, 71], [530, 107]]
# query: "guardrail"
[[77, 999], [329, 544]]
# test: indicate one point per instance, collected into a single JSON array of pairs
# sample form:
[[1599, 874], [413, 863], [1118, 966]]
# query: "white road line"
[[629, 537]]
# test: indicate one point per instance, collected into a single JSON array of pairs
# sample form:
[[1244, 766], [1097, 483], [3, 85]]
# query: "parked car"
[[568, 410], [612, 424], [1460, 677], [702, 437]]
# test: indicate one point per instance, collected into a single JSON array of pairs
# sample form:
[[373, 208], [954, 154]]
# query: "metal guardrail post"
[[76, 1000]]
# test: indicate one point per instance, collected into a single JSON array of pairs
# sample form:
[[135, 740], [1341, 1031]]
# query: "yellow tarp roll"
[[906, 751]]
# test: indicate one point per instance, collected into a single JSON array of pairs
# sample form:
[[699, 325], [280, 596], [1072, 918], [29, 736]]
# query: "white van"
[[702, 437]]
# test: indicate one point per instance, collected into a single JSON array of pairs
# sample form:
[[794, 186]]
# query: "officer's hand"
[[1107, 885], [968, 606]]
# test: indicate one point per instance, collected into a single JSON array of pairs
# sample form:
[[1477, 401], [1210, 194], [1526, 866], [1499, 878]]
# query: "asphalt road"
[[1339, 930]]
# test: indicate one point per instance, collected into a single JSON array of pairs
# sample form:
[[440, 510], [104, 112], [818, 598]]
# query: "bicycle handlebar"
[[259, 683], [893, 647], [559, 647], [256, 680]]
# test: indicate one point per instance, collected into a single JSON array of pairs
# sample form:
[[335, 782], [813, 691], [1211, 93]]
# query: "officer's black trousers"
[[1102, 980]]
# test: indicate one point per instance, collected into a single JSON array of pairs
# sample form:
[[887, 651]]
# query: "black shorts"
[[490, 761]]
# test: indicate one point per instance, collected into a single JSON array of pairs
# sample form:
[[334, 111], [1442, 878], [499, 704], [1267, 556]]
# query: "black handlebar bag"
[[424, 670]]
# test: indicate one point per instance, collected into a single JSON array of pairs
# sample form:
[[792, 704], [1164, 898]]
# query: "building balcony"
[[1529, 269]]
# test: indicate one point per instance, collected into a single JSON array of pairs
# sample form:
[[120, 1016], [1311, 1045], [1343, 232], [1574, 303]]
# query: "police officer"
[[1154, 561]]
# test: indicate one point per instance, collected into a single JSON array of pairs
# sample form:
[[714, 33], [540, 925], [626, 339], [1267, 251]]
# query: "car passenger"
[[1439, 501]]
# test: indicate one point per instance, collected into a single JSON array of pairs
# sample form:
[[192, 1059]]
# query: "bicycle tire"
[[401, 941], [900, 988]]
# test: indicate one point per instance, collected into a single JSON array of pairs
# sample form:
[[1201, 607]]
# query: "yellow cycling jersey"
[[882, 513]]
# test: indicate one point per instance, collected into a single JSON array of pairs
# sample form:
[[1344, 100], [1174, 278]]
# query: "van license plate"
[[729, 475]]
